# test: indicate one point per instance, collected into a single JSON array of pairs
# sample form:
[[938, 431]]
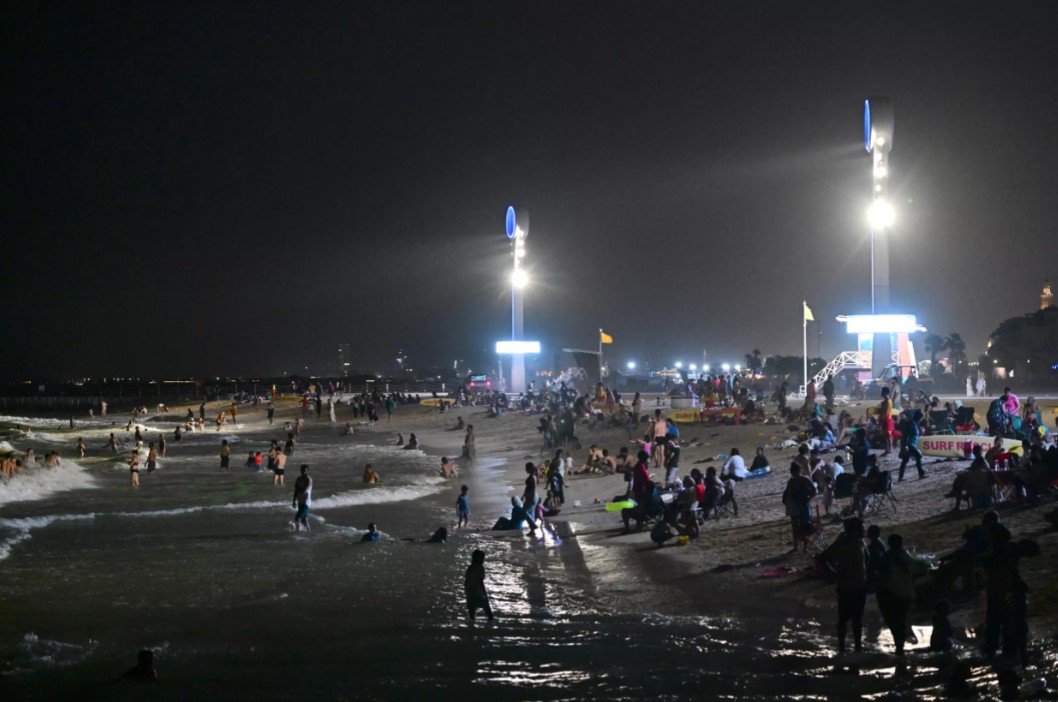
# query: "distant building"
[[1046, 298]]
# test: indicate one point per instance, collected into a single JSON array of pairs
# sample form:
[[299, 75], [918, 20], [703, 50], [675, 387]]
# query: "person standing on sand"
[[225, 454], [848, 558], [389, 408], [885, 421], [470, 452], [302, 499], [797, 497], [202, 411], [474, 586], [330, 411]]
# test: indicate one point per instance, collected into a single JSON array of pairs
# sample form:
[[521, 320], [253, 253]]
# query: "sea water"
[[204, 567]]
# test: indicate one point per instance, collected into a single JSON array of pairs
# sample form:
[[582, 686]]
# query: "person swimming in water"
[[371, 477], [372, 534]]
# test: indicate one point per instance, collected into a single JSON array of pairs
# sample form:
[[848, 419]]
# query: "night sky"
[[236, 187]]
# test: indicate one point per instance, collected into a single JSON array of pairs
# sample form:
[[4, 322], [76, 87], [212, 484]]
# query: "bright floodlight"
[[881, 214], [738, 367], [881, 323], [694, 366], [519, 278], [631, 365], [725, 367], [679, 364], [705, 367], [506, 347]]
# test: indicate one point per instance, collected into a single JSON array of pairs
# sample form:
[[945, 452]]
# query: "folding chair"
[[878, 498], [940, 422]]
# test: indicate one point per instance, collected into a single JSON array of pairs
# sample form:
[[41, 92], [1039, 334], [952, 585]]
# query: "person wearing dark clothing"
[[909, 431], [848, 558], [896, 590]]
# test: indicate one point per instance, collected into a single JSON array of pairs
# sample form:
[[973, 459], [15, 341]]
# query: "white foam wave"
[[36, 483], [35, 421], [375, 495]]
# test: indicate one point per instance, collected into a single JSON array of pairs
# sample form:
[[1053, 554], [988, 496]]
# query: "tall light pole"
[[519, 280], [878, 126]]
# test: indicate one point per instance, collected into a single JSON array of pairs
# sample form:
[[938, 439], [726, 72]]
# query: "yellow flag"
[[605, 338], [808, 313]]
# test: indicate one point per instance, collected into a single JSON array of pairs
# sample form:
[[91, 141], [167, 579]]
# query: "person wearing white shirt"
[[735, 467]]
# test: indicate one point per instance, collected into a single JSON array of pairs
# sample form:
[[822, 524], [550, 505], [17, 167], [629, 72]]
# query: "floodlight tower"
[[878, 128], [517, 235]]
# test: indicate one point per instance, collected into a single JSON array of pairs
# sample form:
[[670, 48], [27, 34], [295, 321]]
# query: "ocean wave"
[[42, 422], [376, 495], [36, 483]]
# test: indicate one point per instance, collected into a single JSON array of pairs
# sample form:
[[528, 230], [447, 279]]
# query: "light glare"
[[519, 278], [881, 214]]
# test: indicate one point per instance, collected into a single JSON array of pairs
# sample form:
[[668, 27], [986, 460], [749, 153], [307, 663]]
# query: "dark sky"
[[236, 187]]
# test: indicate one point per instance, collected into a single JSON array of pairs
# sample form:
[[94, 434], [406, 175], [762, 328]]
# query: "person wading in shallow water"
[[470, 452], [848, 558], [302, 499]]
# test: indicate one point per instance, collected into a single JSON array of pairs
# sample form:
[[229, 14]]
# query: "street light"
[[705, 368], [726, 367], [738, 367], [881, 214], [694, 366], [679, 365], [631, 365], [519, 278]]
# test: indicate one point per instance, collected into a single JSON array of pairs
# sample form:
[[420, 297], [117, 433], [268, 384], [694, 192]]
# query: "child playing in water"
[[463, 507], [80, 448], [474, 586]]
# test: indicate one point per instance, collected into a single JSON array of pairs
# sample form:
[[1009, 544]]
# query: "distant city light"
[[507, 347], [631, 365], [881, 214]]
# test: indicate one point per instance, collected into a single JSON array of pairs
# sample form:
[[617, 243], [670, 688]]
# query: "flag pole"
[[600, 353], [804, 335]]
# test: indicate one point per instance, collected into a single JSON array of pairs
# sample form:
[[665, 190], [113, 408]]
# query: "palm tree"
[[753, 362], [956, 351], [934, 345]]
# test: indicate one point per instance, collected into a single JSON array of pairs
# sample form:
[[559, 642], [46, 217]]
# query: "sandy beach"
[[713, 590]]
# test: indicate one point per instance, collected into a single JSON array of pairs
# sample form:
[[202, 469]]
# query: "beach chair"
[[940, 422], [878, 498], [965, 422]]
